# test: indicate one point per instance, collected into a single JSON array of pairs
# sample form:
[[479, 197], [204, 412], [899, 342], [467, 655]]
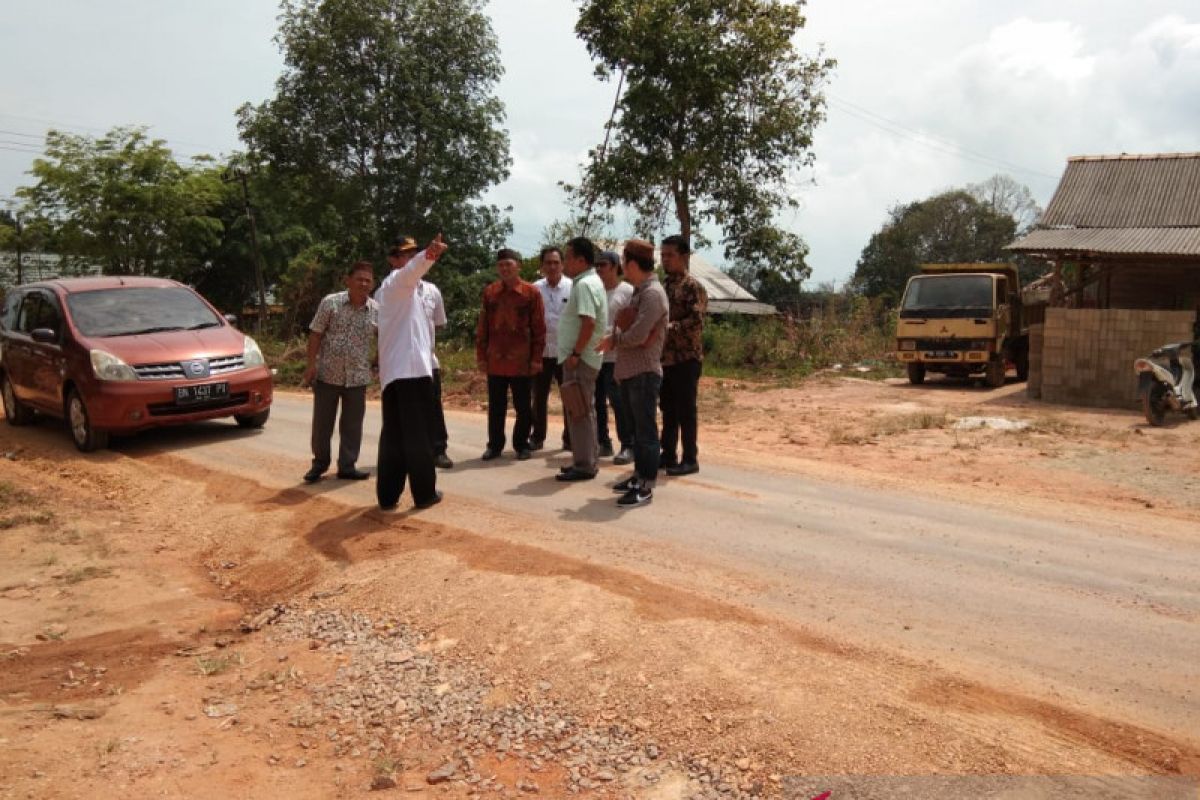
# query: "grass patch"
[[1052, 426], [11, 495], [903, 423], [847, 436], [88, 573], [215, 665], [385, 765], [889, 426], [17, 520], [67, 536]]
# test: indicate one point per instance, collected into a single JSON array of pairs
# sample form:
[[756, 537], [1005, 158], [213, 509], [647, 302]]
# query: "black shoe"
[[684, 468], [636, 497], [624, 457], [489, 454], [313, 475], [536, 444], [605, 451], [524, 455], [627, 484], [388, 507], [353, 474], [668, 465], [575, 475], [433, 501], [566, 469], [442, 461]]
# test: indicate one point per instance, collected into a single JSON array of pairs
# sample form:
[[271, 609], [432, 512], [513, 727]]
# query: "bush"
[[845, 330]]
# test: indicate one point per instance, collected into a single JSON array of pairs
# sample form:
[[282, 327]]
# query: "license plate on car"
[[942, 354], [202, 393]]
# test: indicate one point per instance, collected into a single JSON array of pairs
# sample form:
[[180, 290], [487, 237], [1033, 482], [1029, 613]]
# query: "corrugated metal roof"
[[1114, 241], [754, 308], [1139, 191], [725, 295]]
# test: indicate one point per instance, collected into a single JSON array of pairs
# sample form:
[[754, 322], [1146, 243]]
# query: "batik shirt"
[[685, 332], [346, 335]]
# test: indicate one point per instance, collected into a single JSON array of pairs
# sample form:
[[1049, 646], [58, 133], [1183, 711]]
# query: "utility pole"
[[240, 175], [20, 251]]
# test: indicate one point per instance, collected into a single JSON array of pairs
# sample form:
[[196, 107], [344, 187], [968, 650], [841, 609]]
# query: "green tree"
[[385, 122], [123, 202], [947, 228], [718, 113]]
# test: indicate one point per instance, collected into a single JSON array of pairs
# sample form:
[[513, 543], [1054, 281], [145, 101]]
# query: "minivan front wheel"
[[253, 421], [86, 437], [16, 412]]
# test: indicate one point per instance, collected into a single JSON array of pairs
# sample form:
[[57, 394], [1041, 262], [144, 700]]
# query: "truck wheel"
[[916, 374], [16, 412], [993, 376], [252, 420], [1022, 364], [1154, 404], [86, 437]]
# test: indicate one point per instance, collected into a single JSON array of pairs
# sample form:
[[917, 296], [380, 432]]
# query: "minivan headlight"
[[251, 355], [110, 368]]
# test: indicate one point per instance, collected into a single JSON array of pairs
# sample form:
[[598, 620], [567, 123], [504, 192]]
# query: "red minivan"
[[123, 354]]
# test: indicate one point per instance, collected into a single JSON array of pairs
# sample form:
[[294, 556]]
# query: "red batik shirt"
[[511, 334]]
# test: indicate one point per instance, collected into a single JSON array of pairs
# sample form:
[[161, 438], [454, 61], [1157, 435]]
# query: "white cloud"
[[1024, 50]]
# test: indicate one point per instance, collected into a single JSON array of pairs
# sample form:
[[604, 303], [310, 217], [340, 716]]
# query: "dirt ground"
[[157, 634]]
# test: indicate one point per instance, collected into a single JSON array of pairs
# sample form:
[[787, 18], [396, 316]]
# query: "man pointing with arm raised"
[[406, 375]]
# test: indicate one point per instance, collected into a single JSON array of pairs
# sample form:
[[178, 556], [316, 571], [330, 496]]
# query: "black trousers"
[[326, 398], [551, 373], [678, 403], [405, 451], [438, 434], [499, 387]]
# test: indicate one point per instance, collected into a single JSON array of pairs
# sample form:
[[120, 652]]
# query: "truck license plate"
[[201, 393], [942, 354]]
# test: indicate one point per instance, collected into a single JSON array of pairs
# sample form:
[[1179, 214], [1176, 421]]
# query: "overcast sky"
[[928, 94]]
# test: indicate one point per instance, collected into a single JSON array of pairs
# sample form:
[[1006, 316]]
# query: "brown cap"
[[403, 244], [640, 250]]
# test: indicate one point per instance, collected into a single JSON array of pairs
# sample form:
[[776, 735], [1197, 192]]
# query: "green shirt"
[[588, 299]]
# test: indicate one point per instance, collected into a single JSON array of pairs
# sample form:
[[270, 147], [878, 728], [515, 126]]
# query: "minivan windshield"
[[132, 310], [948, 296]]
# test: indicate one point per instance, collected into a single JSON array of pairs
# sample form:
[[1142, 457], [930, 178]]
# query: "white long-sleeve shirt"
[[405, 341], [554, 300]]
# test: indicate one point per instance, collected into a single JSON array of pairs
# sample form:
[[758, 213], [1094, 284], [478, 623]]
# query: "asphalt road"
[[1089, 611]]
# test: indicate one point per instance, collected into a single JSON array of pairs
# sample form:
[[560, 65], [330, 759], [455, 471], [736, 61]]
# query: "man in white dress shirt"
[[556, 290], [406, 375]]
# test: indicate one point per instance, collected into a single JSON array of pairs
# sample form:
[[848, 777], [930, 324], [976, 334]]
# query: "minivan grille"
[[174, 370]]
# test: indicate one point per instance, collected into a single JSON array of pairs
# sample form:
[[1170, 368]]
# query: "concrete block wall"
[[1033, 386], [1087, 355]]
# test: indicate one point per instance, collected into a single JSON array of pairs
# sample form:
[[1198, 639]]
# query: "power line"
[[932, 141], [204, 149], [20, 150]]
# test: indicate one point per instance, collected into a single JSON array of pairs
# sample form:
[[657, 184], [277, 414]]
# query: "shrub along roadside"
[[773, 349]]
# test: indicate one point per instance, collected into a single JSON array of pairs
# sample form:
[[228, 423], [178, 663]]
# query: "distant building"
[[725, 295], [39, 267]]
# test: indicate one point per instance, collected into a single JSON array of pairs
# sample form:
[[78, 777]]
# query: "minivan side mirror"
[[44, 335], [231, 319]]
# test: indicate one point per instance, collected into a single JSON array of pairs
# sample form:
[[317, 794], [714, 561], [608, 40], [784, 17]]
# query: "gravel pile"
[[395, 684]]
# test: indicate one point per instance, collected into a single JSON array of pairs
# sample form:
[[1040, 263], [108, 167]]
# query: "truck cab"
[[963, 320]]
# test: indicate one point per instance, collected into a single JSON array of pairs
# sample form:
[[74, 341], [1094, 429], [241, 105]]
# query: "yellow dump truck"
[[963, 320]]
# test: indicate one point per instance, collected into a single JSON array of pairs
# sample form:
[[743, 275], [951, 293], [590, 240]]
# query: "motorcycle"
[[1165, 382]]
